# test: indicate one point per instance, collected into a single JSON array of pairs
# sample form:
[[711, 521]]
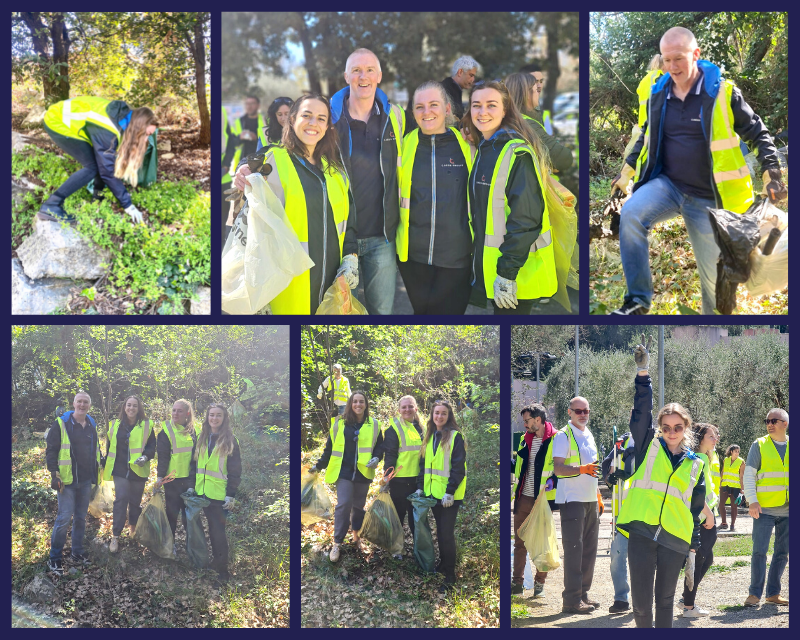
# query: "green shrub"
[[31, 496]]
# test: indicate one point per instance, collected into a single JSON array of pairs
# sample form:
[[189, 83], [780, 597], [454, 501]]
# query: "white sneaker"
[[697, 612], [114, 546], [334, 556]]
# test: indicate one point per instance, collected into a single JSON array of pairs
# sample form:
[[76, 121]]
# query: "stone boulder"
[[164, 145], [202, 306], [39, 297], [19, 189], [40, 589], [53, 251], [18, 141], [35, 115]]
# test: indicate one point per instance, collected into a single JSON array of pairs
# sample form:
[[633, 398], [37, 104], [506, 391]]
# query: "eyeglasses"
[[678, 429], [580, 412], [773, 421]]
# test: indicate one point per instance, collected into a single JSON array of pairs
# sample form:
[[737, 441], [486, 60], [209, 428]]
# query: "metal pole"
[[538, 355], [576, 359], [660, 366]]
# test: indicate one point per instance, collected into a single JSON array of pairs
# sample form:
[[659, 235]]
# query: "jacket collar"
[[339, 99], [712, 78], [68, 414]]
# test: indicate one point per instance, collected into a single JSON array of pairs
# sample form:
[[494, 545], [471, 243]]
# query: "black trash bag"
[[196, 546], [382, 526], [423, 540], [736, 236]]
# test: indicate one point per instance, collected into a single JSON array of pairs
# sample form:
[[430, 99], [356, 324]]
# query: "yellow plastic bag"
[[538, 532], [262, 254], [103, 499], [316, 503], [382, 525], [564, 221], [339, 301]]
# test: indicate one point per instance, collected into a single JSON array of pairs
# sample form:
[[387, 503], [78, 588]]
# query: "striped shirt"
[[527, 489]]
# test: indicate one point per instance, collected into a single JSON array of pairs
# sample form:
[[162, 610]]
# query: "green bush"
[[27, 496]]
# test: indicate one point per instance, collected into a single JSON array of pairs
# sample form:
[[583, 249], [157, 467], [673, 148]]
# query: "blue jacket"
[[53, 440]]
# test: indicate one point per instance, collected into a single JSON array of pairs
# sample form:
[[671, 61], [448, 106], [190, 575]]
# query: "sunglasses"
[[356, 432], [773, 421], [580, 412], [678, 429]]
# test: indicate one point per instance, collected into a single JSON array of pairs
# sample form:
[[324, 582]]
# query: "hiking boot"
[[776, 599], [538, 588], [335, 551], [516, 588], [752, 601], [55, 565], [591, 603], [221, 580], [581, 607], [630, 308], [724, 525], [697, 612], [114, 546], [80, 558], [449, 583], [619, 606]]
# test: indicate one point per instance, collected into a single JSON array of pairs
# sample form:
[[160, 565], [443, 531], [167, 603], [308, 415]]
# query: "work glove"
[[505, 293], [739, 499], [135, 214], [228, 504], [600, 506], [418, 493], [622, 179], [641, 354], [548, 486], [55, 481], [349, 269], [773, 185], [612, 479], [373, 462], [689, 571], [591, 469], [313, 469], [159, 482], [140, 460], [447, 501], [319, 393]]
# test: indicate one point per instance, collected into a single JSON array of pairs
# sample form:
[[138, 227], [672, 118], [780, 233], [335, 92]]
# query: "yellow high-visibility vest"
[[410, 445], [236, 129], [69, 117], [212, 474], [437, 470], [64, 459], [136, 443], [730, 472], [772, 479], [182, 446], [367, 437]]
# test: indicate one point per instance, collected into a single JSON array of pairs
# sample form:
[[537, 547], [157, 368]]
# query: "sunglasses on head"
[[677, 429], [580, 412], [772, 421]]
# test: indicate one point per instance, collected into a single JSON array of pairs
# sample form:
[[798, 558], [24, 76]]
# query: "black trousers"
[[83, 152], [399, 490], [436, 290], [127, 501], [652, 564], [173, 501], [446, 534], [215, 515], [704, 560]]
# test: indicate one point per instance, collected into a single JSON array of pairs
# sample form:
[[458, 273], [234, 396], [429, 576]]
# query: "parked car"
[[566, 122]]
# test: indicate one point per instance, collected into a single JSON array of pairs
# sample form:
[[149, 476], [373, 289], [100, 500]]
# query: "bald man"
[[686, 160]]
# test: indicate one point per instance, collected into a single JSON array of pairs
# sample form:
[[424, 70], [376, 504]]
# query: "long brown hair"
[[447, 430], [513, 120], [520, 86], [700, 429], [731, 448], [140, 416], [327, 148], [189, 426], [350, 416], [133, 146], [225, 439]]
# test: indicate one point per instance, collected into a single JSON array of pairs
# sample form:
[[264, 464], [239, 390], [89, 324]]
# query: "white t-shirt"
[[583, 488]]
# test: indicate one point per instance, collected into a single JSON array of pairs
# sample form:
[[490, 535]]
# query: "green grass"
[[519, 611], [738, 546]]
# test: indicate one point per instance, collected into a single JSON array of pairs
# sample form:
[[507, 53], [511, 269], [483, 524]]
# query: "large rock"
[[35, 115], [19, 189], [53, 251], [202, 306], [18, 141], [164, 145], [40, 589], [38, 297]]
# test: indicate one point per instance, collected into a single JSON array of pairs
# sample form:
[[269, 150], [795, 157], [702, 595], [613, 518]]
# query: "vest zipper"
[[324, 232], [664, 499], [475, 197], [433, 199]]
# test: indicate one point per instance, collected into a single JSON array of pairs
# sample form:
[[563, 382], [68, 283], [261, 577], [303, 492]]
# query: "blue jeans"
[[377, 272], [73, 500], [619, 567], [657, 201], [762, 531]]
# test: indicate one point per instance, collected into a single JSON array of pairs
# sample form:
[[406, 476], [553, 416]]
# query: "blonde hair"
[[189, 426], [673, 408], [130, 154], [449, 119], [656, 62]]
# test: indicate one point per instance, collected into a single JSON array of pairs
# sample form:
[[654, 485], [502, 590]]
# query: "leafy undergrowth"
[[155, 267], [375, 590], [135, 588]]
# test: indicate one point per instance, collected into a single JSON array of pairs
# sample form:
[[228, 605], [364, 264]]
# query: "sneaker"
[[516, 588], [697, 612], [80, 558], [752, 601], [776, 599], [55, 213], [581, 607], [54, 565], [114, 546], [538, 588], [630, 308], [334, 556], [724, 525], [619, 606]]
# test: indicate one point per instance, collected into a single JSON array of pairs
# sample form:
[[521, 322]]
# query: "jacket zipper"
[[717, 198], [433, 202], [388, 119], [664, 500], [324, 231], [475, 197]]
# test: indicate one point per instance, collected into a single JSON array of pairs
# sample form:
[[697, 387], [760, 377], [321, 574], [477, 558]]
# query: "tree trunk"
[[199, 54], [311, 62], [55, 79], [551, 23]]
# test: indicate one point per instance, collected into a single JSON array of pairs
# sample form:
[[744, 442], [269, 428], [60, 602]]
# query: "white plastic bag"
[[262, 254], [769, 273]]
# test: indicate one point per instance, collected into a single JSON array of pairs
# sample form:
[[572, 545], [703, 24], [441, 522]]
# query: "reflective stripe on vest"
[[64, 458], [212, 474], [341, 391], [410, 145], [296, 298], [731, 174], [772, 479], [397, 118], [573, 459], [712, 498], [367, 438], [69, 117], [643, 91], [730, 472], [143, 471], [410, 445], [537, 277], [546, 122], [181, 450], [716, 476], [236, 129], [437, 470]]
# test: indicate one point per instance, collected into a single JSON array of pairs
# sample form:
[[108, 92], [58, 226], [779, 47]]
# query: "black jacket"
[[439, 229], [122, 459], [643, 431], [388, 156], [454, 94], [746, 124], [560, 156], [164, 451], [82, 452], [391, 445], [525, 199], [538, 464], [458, 465], [349, 469], [104, 145]]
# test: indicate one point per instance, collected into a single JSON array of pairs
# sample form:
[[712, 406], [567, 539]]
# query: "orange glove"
[[600, 504], [591, 469]]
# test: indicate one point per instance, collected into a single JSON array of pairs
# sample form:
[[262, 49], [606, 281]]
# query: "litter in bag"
[[262, 253], [564, 223], [316, 503], [103, 499], [152, 528], [423, 540], [770, 272], [538, 532], [196, 546], [382, 525], [339, 301]]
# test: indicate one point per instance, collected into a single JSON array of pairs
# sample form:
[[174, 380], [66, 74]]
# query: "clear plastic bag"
[[564, 223], [103, 499], [152, 528], [538, 532], [771, 272], [196, 546], [339, 301], [382, 525], [423, 540], [262, 254], [316, 503]]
